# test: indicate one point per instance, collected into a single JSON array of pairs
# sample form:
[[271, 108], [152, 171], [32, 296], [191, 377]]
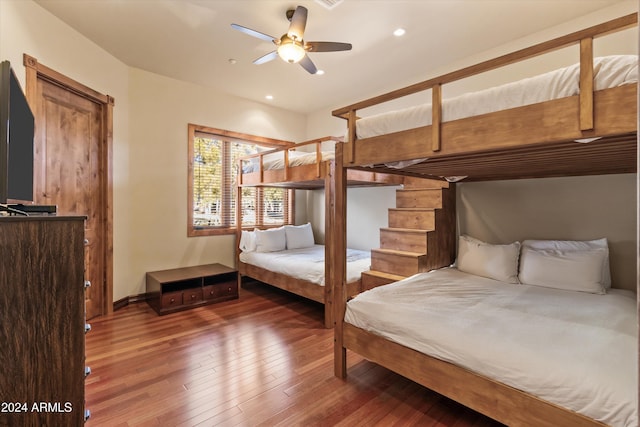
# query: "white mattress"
[[276, 160], [575, 349], [307, 263], [609, 71]]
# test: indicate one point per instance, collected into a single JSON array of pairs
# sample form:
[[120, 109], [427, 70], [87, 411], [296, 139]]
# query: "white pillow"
[[299, 236], [498, 262], [253, 165], [568, 270], [248, 241], [575, 246], [271, 240]]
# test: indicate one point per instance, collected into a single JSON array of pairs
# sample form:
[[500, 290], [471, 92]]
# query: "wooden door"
[[70, 171]]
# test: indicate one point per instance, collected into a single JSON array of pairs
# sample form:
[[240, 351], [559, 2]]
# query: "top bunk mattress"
[[273, 161], [307, 263], [609, 71], [574, 349]]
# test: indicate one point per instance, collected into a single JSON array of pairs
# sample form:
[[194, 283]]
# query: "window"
[[213, 171]]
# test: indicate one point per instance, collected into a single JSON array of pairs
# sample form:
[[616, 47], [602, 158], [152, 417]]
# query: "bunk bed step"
[[415, 182], [372, 279], [404, 239], [401, 263], [416, 218], [419, 198]]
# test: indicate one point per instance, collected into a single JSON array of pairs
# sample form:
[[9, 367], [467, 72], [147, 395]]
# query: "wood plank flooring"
[[264, 359]]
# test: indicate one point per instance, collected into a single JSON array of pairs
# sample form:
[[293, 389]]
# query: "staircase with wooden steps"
[[420, 236]]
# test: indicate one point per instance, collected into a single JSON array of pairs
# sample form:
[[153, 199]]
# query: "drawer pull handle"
[[87, 327], [173, 300], [193, 296], [87, 415], [87, 371], [87, 283]]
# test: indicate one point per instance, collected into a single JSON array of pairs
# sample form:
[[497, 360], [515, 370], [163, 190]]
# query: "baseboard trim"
[[131, 299]]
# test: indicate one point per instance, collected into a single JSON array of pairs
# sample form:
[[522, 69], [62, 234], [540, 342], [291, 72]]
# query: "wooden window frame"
[[228, 136]]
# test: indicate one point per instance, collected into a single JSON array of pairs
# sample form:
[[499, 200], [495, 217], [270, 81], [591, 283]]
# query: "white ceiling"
[[192, 40]]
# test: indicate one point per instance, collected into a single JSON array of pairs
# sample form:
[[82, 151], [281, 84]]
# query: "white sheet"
[[307, 263], [575, 349], [276, 160], [609, 71]]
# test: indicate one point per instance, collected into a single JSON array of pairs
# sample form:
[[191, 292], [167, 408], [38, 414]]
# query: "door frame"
[[35, 71]]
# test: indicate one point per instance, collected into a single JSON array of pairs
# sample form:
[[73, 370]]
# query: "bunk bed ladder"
[[420, 236]]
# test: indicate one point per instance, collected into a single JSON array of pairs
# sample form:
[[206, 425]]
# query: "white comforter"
[[609, 71], [307, 263], [575, 349]]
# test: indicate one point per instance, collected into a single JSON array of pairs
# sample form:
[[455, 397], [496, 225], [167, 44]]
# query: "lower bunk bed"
[[300, 267], [288, 258], [560, 352]]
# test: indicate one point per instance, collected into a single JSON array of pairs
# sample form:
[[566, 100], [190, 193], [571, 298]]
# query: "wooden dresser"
[[42, 323]]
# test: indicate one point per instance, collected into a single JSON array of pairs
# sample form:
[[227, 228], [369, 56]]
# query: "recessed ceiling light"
[[329, 4], [320, 72], [269, 97], [232, 61], [399, 32]]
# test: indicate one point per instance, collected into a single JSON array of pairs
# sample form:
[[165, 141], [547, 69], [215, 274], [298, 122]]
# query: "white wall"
[[160, 110], [150, 141], [365, 206]]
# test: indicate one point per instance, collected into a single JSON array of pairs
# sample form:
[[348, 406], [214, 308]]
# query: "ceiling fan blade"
[[266, 58], [254, 33], [327, 46], [298, 23], [308, 64]]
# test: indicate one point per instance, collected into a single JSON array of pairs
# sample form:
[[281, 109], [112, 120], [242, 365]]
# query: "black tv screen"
[[16, 140]]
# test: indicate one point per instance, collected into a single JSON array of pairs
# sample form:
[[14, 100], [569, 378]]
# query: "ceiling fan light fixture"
[[290, 46], [290, 50]]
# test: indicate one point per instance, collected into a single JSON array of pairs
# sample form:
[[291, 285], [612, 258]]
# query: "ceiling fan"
[[291, 47]]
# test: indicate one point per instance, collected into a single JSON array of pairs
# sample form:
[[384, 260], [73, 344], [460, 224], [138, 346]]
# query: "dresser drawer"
[[221, 290], [171, 299], [192, 296]]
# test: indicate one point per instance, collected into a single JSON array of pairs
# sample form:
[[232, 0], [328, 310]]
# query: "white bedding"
[[276, 160], [609, 71], [575, 349], [307, 263]]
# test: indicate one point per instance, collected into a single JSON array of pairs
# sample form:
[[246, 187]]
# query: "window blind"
[[215, 172]]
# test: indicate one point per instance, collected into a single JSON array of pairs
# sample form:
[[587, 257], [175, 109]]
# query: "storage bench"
[[182, 288]]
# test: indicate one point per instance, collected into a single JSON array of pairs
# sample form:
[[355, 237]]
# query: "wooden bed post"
[[351, 119], [339, 276], [329, 247], [436, 116], [586, 84], [318, 162], [286, 165], [238, 230]]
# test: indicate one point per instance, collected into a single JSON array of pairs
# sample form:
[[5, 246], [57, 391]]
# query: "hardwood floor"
[[264, 359]]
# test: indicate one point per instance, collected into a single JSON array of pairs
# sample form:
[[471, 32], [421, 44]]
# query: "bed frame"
[[453, 149], [317, 175]]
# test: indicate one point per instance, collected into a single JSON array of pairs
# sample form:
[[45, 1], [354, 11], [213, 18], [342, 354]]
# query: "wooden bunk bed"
[[524, 142], [314, 173]]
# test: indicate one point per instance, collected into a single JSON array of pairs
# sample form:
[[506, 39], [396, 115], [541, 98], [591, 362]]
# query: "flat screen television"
[[16, 140]]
